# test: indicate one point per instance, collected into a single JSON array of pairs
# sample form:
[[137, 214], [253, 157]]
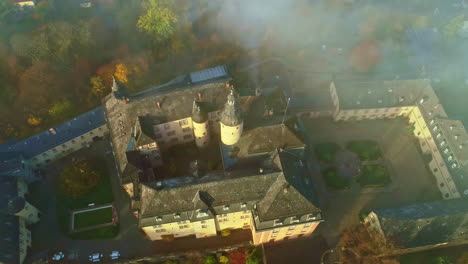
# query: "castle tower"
[[19, 207], [200, 126], [231, 121]]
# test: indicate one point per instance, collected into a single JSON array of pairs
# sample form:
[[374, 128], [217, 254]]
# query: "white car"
[[95, 257], [114, 254]]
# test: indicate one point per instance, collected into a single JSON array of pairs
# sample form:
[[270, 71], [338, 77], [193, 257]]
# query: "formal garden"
[[359, 161], [82, 184]]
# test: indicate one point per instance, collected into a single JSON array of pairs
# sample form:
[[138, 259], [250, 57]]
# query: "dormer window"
[[294, 219], [202, 213], [454, 165], [432, 121], [446, 150], [226, 208], [443, 143], [435, 128], [450, 158], [243, 205], [158, 218], [176, 216], [311, 217], [439, 135], [278, 222]]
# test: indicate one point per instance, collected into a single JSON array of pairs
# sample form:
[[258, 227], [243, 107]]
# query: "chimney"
[[199, 96], [159, 105], [227, 85], [53, 131], [159, 185], [260, 170]]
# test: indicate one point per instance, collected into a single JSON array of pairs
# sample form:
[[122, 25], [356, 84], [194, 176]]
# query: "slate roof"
[[264, 138], [175, 100], [380, 94], [10, 162], [426, 224], [9, 224], [208, 74], [181, 195], [66, 131]]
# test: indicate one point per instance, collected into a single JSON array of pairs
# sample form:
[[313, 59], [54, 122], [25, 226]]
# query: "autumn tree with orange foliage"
[[122, 72], [365, 56], [359, 247]]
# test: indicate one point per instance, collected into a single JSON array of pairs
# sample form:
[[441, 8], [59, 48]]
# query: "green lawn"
[[101, 194], [326, 151], [450, 255], [92, 218], [365, 149], [374, 176], [334, 180]]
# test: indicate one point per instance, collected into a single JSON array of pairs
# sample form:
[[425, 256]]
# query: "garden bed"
[[334, 180], [374, 176], [326, 151], [365, 149], [95, 217]]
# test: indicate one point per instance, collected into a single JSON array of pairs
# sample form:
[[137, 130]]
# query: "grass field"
[[334, 180], [365, 149], [101, 194], [374, 176], [92, 218], [326, 151]]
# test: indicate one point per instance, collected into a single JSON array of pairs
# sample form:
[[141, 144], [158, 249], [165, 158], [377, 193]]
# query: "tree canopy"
[[158, 21], [78, 179]]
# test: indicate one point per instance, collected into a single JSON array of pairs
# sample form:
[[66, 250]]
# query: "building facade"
[[275, 199], [439, 136]]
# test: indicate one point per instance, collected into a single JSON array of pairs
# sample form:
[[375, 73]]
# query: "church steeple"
[[231, 120]]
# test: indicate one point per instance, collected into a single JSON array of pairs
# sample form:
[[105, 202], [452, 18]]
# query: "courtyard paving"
[[411, 180]]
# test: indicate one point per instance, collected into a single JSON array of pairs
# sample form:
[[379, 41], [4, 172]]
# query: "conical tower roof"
[[232, 113], [199, 115]]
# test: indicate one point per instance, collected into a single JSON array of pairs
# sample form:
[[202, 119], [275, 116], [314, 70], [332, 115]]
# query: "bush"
[[209, 259], [365, 149], [78, 179], [326, 151], [334, 180], [225, 232], [374, 176], [223, 260]]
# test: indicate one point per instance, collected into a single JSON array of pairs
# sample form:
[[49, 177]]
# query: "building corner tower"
[[200, 126], [231, 121]]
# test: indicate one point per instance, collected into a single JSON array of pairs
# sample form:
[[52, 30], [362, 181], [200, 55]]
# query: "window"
[[160, 230], [288, 233], [183, 122], [182, 222], [294, 219], [203, 222], [44, 154], [246, 212], [307, 224], [276, 230], [204, 226], [73, 141], [171, 133], [167, 126], [186, 129], [158, 135], [91, 133], [82, 137], [157, 226], [187, 136], [304, 230], [243, 205], [278, 222], [158, 218], [156, 129], [291, 227], [173, 140], [274, 235], [226, 208], [202, 213], [176, 216]]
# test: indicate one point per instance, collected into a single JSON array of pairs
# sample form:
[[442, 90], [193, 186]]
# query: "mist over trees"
[[60, 55]]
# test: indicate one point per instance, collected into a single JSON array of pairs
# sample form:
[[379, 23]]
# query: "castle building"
[[16, 214], [445, 139], [261, 183]]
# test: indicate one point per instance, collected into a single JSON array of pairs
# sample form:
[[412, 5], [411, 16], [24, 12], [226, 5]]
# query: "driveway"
[[411, 180]]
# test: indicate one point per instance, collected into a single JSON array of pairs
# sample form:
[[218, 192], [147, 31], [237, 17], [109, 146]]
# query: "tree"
[[34, 120], [254, 257], [454, 26], [6, 8], [78, 179], [170, 261], [359, 246], [238, 256], [223, 259], [121, 73], [158, 21], [97, 87], [365, 56], [209, 259], [62, 110], [442, 260]]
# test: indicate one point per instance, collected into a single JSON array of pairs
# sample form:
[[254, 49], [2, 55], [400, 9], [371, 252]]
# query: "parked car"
[[114, 254], [95, 257]]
